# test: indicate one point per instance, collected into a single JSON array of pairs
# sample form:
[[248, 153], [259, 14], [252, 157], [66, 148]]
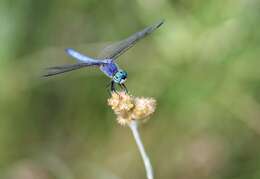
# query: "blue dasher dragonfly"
[[106, 60]]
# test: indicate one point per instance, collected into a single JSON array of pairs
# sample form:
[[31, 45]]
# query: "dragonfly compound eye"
[[117, 78], [120, 77]]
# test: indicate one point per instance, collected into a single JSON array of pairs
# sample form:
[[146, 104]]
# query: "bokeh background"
[[202, 66]]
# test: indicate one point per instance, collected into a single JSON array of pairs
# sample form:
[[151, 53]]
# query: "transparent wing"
[[115, 50], [87, 61], [80, 57], [51, 71]]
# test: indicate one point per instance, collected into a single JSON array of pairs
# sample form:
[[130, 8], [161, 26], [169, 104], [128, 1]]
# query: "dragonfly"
[[106, 61]]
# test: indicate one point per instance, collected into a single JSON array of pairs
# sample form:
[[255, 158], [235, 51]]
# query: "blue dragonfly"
[[106, 60]]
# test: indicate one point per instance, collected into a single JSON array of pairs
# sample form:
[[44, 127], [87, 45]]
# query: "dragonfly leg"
[[121, 87], [125, 88], [107, 88], [112, 86]]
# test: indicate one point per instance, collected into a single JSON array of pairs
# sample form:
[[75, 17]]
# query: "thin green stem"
[[148, 167]]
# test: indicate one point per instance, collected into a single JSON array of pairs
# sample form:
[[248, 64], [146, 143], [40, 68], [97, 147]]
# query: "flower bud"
[[128, 108]]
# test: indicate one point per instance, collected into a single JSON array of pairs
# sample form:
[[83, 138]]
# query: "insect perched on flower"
[[106, 60]]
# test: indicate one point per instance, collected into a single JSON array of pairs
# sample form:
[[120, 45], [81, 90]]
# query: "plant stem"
[[148, 167]]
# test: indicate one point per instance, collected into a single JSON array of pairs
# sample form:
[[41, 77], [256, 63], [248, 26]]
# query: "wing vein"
[[115, 50]]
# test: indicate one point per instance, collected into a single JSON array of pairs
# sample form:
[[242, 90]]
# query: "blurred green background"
[[202, 66]]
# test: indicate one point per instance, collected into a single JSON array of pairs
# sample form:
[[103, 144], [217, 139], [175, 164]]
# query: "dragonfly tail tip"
[[68, 50]]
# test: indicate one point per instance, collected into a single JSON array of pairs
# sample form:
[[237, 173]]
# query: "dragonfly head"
[[120, 77]]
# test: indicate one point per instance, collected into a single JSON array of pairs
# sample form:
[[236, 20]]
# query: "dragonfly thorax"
[[120, 76]]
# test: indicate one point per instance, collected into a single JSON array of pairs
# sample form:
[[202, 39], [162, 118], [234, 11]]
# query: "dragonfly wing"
[[80, 57], [115, 50], [66, 68]]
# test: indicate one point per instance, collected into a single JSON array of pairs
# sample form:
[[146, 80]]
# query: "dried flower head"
[[128, 108]]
